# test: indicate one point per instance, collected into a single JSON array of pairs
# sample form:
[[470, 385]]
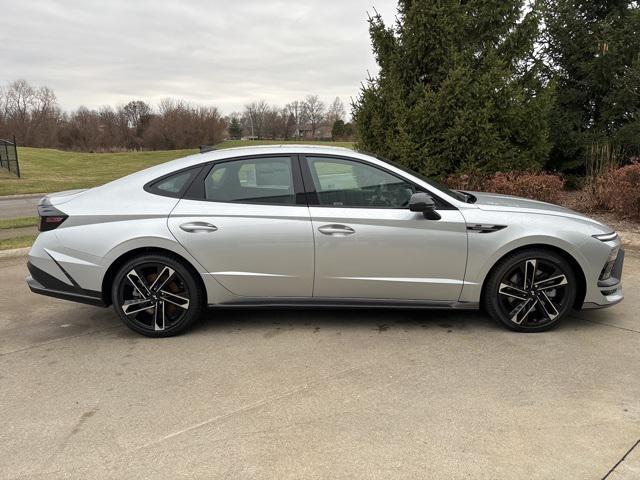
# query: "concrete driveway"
[[316, 394]]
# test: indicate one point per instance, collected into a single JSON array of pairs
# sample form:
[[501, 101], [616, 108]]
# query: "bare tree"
[[3, 109], [44, 118], [276, 123], [111, 134], [255, 116], [28, 112], [180, 124], [81, 130], [32, 114], [335, 112], [295, 111], [314, 109], [136, 115]]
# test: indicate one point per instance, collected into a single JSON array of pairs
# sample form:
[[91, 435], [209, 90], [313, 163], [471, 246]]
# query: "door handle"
[[336, 230], [194, 227]]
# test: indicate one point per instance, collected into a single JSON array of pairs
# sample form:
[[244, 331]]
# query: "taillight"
[[50, 217], [51, 222]]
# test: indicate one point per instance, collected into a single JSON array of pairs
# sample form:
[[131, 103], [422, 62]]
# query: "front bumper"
[[610, 289]]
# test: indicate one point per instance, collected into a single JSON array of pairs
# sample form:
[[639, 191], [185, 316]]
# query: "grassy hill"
[[49, 170]]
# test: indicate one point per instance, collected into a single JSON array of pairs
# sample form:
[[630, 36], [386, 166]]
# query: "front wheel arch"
[[107, 281], [575, 266]]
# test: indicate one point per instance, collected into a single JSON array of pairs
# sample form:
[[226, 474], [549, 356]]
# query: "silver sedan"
[[315, 226]]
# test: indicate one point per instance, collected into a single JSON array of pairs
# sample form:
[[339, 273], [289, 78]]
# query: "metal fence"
[[9, 156]]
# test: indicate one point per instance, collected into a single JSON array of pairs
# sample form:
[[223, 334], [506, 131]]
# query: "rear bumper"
[[44, 284]]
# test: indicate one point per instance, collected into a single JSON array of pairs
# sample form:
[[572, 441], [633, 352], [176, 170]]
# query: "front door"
[[369, 245], [249, 230]]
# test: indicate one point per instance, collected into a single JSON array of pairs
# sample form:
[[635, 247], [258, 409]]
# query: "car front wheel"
[[156, 295], [531, 291]]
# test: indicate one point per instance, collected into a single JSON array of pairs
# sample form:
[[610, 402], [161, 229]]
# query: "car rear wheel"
[[530, 291], [156, 295]]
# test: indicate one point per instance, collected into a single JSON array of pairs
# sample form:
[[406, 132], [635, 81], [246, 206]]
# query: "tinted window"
[[174, 185], [344, 183], [261, 180]]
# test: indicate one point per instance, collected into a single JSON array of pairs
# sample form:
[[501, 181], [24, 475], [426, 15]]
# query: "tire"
[[165, 286], [536, 304]]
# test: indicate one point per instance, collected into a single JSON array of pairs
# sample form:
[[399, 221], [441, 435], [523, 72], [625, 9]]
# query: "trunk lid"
[[59, 198]]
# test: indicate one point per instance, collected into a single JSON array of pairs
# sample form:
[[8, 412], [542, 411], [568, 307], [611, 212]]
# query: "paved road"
[[316, 394], [12, 207]]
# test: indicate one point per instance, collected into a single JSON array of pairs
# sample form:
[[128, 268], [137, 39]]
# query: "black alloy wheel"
[[531, 291], [155, 295]]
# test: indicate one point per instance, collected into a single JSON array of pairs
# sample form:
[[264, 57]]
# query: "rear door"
[[248, 224], [369, 245]]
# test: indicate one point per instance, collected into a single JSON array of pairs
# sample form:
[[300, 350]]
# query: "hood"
[[509, 203], [489, 201], [59, 198]]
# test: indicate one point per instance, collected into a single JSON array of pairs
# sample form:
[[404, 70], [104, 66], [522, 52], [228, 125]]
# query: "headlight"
[[613, 255], [606, 237]]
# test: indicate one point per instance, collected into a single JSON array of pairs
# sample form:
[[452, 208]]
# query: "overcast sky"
[[223, 53]]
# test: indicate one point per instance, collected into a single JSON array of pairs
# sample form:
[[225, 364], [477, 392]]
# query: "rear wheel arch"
[[107, 281], [575, 266]]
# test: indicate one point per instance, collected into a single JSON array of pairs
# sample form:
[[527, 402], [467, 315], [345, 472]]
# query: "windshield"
[[461, 196]]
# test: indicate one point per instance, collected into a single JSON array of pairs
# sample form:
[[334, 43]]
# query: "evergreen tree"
[[337, 130], [593, 49], [458, 88], [235, 129]]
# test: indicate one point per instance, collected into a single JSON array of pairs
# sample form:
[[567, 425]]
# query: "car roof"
[[268, 149]]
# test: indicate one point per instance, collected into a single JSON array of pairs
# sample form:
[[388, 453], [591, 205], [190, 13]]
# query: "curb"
[[14, 252]]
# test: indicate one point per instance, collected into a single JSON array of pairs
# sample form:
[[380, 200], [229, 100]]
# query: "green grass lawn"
[[9, 223], [47, 170], [17, 242]]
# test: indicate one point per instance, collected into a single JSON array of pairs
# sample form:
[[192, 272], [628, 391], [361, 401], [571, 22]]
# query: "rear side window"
[[173, 185], [256, 180]]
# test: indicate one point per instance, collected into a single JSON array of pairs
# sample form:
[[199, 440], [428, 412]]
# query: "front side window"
[[345, 183], [256, 180]]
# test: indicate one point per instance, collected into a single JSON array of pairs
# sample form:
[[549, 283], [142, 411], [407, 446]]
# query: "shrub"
[[466, 181], [618, 190], [546, 187], [540, 186], [573, 182]]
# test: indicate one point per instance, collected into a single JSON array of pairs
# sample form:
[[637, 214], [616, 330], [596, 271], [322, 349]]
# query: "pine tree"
[[235, 129], [593, 49], [458, 88], [337, 130]]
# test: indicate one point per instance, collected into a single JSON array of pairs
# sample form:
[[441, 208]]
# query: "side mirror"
[[422, 202]]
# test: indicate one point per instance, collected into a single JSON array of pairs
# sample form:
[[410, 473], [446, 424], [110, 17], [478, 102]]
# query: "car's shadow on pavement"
[[338, 319], [272, 321], [380, 320]]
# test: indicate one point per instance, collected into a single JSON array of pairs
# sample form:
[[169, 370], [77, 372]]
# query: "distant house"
[[323, 132], [304, 133]]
